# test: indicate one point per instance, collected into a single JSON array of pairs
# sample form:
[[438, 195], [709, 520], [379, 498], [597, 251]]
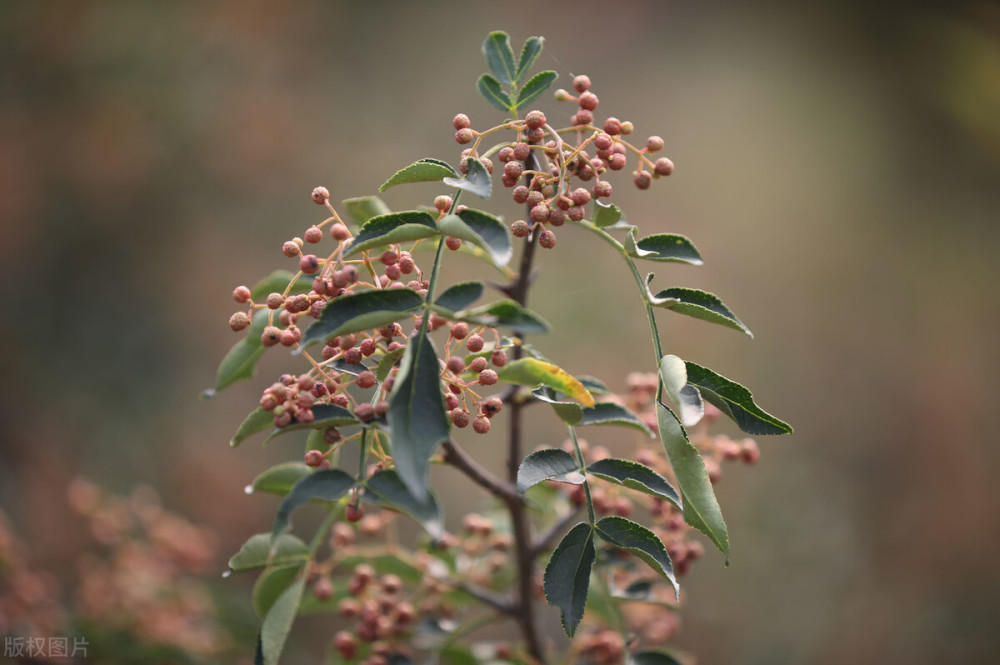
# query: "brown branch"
[[459, 459]]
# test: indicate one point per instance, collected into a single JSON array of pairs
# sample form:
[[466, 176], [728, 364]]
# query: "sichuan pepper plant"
[[389, 364]]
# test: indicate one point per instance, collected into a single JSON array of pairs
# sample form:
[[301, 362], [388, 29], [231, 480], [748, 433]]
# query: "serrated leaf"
[[609, 413], [417, 420], [549, 464], [535, 86], [278, 622], [386, 488], [476, 181], [324, 415], [322, 485], [392, 228], [735, 401], [570, 413], [635, 476], [277, 282], [685, 397], [654, 657], [640, 541], [363, 208], [700, 305], [606, 214], [663, 247], [503, 314], [359, 311], [532, 372], [701, 508], [257, 421], [271, 583], [422, 170], [492, 91], [258, 551], [240, 362], [387, 362], [280, 479], [499, 56], [483, 230], [567, 575], [460, 296], [529, 53]]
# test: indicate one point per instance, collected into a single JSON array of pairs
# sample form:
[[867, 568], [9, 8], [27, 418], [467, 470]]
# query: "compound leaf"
[[500, 57], [491, 90], [529, 53], [535, 86]]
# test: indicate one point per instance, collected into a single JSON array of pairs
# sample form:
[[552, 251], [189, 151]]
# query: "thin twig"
[[459, 459]]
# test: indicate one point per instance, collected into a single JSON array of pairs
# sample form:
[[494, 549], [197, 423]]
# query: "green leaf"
[[240, 362], [280, 479], [663, 247], [278, 622], [417, 421], [502, 314], [392, 228], [483, 230], [322, 485], [701, 508], [529, 53], [685, 397], [609, 413], [499, 56], [735, 401], [571, 413], [635, 591], [549, 464], [277, 282], [635, 476], [386, 488], [363, 208], [258, 552], [363, 310], [567, 575], [422, 170], [476, 181], [699, 304], [461, 295], [535, 86], [594, 385], [257, 421], [606, 214], [387, 362], [324, 415], [640, 541], [491, 90], [654, 657], [271, 584], [532, 372]]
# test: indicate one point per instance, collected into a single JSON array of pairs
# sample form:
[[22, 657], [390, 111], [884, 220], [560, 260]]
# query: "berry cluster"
[[561, 178]]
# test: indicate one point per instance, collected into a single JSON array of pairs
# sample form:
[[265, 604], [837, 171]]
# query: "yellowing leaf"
[[531, 372]]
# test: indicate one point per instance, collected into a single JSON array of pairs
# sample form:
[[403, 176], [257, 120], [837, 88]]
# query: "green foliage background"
[[837, 166]]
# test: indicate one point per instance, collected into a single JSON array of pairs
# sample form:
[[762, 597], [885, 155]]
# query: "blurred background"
[[838, 166]]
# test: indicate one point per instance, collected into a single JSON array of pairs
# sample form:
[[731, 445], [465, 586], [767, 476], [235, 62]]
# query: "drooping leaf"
[[363, 310], [571, 413], [635, 476], [701, 508], [422, 170], [277, 282], [700, 305], [606, 214], [324, 415], [477, 180], [271, 584], [663, 247], [258, 551], [535, 86], [685, 397], [548, 464], [278, 622], [483, 230], [500, 57], [280, 479], [609, 413], [491, 90], [655, 657], [392, 228], [363, 208], [240, 362], [735, 401], [257, 421], [503, 314], [386, 488], [387, 362], [529, 53], [322, 485], [640, 541], [532, 372], [417, 420], [460, 296], [567, 575]]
